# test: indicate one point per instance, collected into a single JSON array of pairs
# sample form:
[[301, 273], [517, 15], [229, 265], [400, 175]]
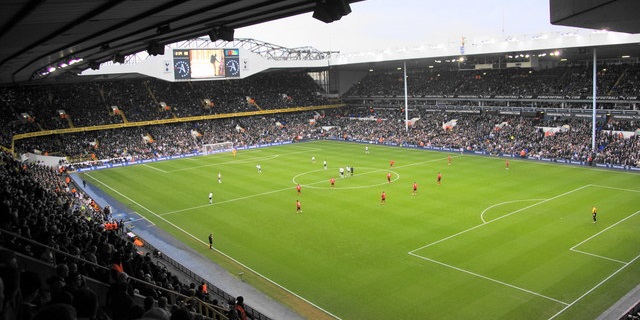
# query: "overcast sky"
[[382, 24]]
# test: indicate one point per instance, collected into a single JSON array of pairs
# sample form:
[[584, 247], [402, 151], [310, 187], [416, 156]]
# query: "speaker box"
[[118, 58], [328, 11], [155, 49], [221, 33]]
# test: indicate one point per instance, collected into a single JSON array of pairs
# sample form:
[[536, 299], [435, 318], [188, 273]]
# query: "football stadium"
[[154, 166]]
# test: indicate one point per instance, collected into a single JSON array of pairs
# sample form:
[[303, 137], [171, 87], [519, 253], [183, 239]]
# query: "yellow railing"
[[166, 121]]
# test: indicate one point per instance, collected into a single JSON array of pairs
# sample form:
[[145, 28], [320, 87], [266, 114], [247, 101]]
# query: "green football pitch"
[[488, 242]]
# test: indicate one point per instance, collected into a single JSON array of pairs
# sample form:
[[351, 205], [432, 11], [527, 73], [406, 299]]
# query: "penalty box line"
[[567, 305], [412, 252], [240, 161], [609, 227], [496, 219], [597, 234], [489, 279], [595, 287]]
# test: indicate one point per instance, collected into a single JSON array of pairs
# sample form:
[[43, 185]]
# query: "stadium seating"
[[42, 206]]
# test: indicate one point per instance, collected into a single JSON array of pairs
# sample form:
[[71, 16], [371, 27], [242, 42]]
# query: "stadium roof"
[[613, 15], [39, 34]]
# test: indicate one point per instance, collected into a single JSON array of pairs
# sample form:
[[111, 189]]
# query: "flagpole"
[[406, 100], [593, 103]]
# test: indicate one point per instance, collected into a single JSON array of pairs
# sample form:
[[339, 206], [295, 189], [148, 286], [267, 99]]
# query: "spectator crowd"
[[47, 107], [42, 205], [491, 133], [620, 80]]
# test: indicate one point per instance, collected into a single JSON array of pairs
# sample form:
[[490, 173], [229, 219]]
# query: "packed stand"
[[42, 204], [495, 134], [258, 92], [146, 142], [616, 80], [100, 102]]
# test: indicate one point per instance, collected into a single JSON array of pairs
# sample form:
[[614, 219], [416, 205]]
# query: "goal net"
[[217, 147]]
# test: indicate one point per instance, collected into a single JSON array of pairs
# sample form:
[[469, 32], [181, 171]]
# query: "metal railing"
[[206, 309], [252, 313]]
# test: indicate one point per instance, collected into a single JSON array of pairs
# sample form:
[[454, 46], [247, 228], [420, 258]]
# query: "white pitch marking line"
[[615, 188], [228, 200], [310, 185], [142, 218], [501, 203], [154, 168], [243, 160], [227, 162], [598, 256], [187, 209], [366, 173], [490, 279]]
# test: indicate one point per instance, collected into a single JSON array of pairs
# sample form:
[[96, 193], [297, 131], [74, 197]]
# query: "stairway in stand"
[[69, 121]]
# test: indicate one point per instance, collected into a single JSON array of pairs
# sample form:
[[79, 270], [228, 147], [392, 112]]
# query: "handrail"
[[202, 307], [254, 314]]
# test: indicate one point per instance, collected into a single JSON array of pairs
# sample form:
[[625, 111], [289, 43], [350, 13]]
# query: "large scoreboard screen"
[[206, 63]]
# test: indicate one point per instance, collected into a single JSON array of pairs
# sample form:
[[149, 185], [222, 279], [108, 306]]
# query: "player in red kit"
[[298, 207], [391, 163], [415, 188], [299, 189], [389, 177], [506, 164], [333, 182], [439, 177], [383, 198]]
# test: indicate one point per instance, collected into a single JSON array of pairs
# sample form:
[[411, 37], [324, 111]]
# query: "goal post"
[[217, 147]]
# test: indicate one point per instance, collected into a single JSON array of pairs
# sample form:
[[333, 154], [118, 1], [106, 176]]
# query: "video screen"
[[206, 63]]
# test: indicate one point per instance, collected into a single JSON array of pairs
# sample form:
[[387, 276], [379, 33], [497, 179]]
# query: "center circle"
[[363, 177]]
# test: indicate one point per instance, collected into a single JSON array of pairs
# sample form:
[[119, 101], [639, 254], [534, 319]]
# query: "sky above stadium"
[[386, 24]]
